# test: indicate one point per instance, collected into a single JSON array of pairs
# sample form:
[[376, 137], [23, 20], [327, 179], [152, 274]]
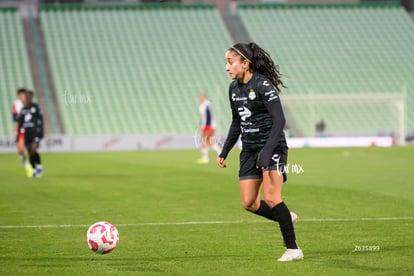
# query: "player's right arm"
[[20, 120], [15, 114], [220, 162], [232, 137]]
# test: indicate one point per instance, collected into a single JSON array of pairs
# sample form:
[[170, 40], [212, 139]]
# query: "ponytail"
[[260, 62]]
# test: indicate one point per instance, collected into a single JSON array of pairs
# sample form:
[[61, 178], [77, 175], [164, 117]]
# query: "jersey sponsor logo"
[[271, 95], [237, 99], [250, 130], [252, 94], [274, 97], [244, 124], [27, 117], [241, 99], [244, 113], [265, 83]]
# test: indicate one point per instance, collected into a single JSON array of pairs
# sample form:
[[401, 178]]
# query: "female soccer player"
[[18, 104], [207, 126], [31, 124], [258, 117]]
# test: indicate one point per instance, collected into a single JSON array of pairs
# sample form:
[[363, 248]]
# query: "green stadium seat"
[[142, 67], [14, 64], [339, 49]]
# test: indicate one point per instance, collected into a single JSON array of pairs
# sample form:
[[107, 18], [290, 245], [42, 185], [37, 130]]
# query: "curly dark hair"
[[260, 61]]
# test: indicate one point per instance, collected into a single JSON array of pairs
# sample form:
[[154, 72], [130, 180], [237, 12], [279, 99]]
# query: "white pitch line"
[[205, 222], [355, 219]]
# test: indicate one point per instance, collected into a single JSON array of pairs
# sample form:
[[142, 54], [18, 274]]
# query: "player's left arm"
[[39, 122], [271, 99]]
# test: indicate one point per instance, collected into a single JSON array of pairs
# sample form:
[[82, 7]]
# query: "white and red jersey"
[[16, 109], [206, 115]]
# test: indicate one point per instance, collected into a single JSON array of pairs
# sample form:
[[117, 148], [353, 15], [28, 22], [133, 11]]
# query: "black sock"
[[286, 226], [37, 158], [32, 159], [265, 211]]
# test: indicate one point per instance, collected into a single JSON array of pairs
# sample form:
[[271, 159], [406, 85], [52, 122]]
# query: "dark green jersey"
[[31, 121], [257, 116]]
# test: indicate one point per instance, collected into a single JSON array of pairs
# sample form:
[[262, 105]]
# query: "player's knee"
[[272, 200], [32, 150], [250, 205]]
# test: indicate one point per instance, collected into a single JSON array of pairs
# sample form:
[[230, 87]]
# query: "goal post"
[[380, 114]]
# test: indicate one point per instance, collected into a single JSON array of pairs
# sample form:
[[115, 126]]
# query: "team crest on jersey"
[[33, 110], [252, 94]]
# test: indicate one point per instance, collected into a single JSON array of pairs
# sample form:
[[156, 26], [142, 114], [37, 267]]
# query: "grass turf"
[[176, 217]]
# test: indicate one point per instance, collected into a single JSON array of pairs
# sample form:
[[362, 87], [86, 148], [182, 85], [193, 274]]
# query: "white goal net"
[[346, 115]]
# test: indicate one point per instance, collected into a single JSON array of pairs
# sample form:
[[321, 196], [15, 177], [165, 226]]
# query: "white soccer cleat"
[[203, 161], [29, 170], [291, 255], [295, 218], [39, 171]]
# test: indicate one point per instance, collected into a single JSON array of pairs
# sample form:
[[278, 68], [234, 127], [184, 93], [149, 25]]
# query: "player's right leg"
[[250, 194], [20, 144], [250, 181], [204, 149]]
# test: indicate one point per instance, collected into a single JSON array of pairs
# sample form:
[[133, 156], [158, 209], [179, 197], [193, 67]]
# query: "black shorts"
[[248, 168], [30, 140]]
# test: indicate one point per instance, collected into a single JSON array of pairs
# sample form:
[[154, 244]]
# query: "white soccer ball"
[[102, 237]]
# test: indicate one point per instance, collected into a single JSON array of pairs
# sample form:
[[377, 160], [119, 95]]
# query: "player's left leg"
[[35, 158], [20, 148], [212, 142], [272, 193]]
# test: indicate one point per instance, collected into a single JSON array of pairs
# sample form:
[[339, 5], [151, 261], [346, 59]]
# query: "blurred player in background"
[[258, 117], [18, 104], [207, 127], [31, 125]]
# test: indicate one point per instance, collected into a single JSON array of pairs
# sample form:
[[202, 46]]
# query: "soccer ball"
[[102, 237]]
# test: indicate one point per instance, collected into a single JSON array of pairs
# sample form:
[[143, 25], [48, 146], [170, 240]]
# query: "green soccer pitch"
[[177, 217]]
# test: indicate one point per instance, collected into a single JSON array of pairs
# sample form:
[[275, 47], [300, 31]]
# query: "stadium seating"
[[139, 69], [132, 70], [339, 49], [14, 65]]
